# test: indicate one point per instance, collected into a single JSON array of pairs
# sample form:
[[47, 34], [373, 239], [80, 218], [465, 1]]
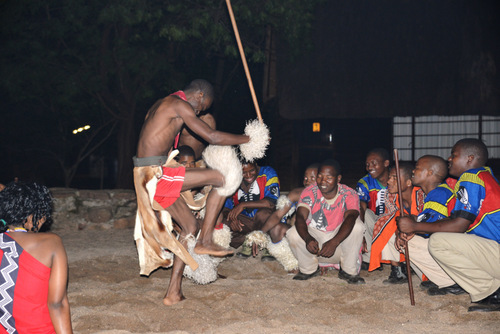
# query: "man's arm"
[[202, 129], [456, 225], [331, 245], [301, 226], [260, 204]]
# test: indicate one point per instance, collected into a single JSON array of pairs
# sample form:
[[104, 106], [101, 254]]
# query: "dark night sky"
[[369, 61]]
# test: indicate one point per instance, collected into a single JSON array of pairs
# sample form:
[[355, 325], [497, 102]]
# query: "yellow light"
[[316, 127], [83, 128]]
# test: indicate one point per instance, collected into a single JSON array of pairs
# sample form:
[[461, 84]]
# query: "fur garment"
[[225, 160], [257, 237], [207, 270], [282, 202], [259, 140], [283, 253]]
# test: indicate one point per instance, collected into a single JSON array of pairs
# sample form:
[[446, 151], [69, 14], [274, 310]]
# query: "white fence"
[[417, 136]]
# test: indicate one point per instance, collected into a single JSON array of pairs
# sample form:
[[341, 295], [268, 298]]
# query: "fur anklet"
[[257, 237], [283, 253]]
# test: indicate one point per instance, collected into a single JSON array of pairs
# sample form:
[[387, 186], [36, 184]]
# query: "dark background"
[[351, 66]]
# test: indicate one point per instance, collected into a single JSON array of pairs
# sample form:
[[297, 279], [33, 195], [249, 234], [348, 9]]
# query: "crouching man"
[[325, 229]]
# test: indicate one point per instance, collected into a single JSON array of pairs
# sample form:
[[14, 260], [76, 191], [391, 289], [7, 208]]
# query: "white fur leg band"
[[259, 140], [222, 237], [283, 201], [207, 270], [257, 237], [225, 160], [282, 252]]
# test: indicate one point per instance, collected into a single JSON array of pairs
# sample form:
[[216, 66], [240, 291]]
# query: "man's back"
[[161, 126]]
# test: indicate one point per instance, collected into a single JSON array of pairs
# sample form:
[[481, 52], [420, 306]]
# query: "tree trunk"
[[126, 148]]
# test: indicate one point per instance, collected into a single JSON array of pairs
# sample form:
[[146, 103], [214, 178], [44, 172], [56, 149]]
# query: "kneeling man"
[[325, 229]]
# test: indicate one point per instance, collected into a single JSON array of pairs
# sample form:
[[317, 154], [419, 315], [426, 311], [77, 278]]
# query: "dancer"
[[159, 180]]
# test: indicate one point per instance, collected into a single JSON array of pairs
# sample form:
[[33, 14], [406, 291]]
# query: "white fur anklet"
[[283, 201], [259, 140], [222, 237], [282, 252], [259, 238], [207, 270], [225, 160]]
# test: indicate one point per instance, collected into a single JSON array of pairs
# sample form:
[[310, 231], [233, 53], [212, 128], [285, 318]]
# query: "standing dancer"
[[158, 186]]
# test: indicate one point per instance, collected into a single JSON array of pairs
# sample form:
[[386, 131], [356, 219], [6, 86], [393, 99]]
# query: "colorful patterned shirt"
[[478, 200], [327, 217], [372, 193], [438, 204], [266, 185]]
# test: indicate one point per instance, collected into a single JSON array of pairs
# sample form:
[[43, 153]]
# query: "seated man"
[[278, 224], [371, 190], [383, 249], [429, 174], [467, 245], [250, 206], [326, 229]]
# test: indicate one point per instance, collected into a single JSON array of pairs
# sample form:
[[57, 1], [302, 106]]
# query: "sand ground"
[[107, 295]]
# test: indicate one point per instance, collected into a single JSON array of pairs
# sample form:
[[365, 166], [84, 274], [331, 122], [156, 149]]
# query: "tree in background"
[[73, 62]]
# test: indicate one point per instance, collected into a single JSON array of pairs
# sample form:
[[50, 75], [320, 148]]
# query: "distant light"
[[83, 128], [316, 127]]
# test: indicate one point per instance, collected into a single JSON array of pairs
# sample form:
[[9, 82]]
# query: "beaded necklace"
[[17, 229]]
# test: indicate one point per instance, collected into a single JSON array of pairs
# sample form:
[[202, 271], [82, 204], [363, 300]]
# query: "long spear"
[[401, 210], [244, 60]]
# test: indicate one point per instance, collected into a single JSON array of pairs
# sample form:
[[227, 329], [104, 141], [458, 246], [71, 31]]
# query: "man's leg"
[[195, 178], [471, 261], [422, 259], [188, 224], [370, 219], [308, 263], [350, 248]]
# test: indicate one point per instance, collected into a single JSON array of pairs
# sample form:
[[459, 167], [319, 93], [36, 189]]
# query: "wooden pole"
[[244, 60], [401, 211]]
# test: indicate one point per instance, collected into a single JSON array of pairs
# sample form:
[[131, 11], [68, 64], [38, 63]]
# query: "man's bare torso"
[[161, 126]]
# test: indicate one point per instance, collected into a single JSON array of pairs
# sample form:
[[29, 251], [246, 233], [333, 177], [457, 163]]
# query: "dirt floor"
[[107, 295]]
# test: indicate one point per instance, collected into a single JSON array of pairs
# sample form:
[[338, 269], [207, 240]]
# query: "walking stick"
[[244, 60], [401, 210]]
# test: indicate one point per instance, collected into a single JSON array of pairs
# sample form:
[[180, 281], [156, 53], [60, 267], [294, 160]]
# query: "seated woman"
[[34, 267]]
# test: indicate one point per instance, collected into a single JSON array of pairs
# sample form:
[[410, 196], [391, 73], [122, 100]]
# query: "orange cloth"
[[386, 226]]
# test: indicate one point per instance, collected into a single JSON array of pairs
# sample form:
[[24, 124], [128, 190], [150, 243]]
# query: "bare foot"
[[211, 249], [171, 300]]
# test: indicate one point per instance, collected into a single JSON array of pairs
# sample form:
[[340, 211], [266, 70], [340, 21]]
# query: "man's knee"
[[437, 242], [261, 216], [278, 232], [359, 228]]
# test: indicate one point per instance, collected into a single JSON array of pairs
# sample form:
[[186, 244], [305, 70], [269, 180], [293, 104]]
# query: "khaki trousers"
[[370, 220], [471, 261], [346, 254]]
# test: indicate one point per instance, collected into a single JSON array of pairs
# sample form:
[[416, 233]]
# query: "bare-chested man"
[[163, 123]]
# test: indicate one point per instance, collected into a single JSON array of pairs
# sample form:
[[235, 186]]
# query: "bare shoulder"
[[209, 119], [50, 240]]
